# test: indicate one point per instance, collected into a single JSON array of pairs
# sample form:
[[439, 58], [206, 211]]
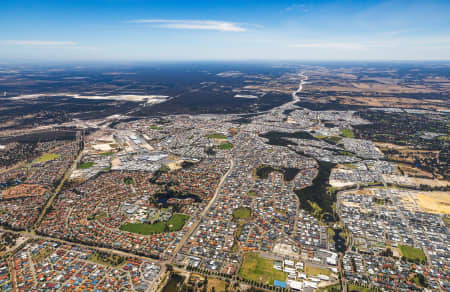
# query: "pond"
[[165, 198], [174, 284], [339, 240]]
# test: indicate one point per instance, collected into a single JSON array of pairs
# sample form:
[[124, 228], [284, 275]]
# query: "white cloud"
[[38, 43], [193, 24], [344, 46], [439, 42]]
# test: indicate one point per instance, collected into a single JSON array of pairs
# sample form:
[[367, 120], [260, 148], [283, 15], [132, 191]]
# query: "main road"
[[205, 211]]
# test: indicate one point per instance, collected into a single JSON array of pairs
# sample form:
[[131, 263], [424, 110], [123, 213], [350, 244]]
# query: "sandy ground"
[[339, 184], [115, 163], [175, 165], [413, 171], [291, 121], [430, 182], [283, 249], [350, 204], [364, 192], [151, 99], [434, 202], [104, 147]]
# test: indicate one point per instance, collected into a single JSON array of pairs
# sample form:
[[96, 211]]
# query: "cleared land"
[[434, 202], [256, 268], [312, 271], [218, 285], [23, 191], [106, 259]]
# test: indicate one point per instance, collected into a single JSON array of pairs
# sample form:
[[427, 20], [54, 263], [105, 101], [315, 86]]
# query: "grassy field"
[[42, 254], [154, 127], [218, 285], [217, 136], [85, 165], [252, 193], [226, 146], [349, 165], [129, 181], [312, 271], [176, 222], [46, 157], [412, 254], [256, 268], [241, 213], [97, 216], [106, 259], [347, 133], [106, 153], [144, 229], [332, 288], [332, 139]]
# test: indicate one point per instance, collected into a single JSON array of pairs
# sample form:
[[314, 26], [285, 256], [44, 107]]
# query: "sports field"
[[175, 223], [412, 254], [256, 268]]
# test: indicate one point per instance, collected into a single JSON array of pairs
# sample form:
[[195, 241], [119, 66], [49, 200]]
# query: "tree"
[[387, 252]]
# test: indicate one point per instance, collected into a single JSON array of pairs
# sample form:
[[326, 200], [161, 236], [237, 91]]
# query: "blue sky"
[[145, 30]]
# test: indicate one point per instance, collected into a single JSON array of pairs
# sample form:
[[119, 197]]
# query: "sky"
[[169, 30]]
